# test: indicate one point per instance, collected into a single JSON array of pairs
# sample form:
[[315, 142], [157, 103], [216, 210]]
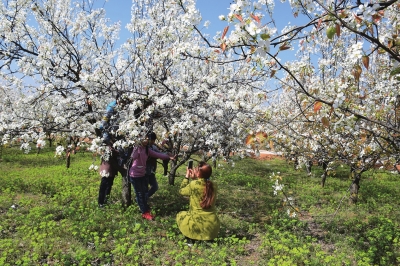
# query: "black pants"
[[165, 166], [105, 189], [106, 185]]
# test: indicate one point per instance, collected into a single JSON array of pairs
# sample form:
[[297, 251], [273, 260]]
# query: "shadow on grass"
[[169, 207], [33, 160]]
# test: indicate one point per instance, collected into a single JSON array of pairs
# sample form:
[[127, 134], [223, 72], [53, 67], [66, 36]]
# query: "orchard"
[[335, 101]]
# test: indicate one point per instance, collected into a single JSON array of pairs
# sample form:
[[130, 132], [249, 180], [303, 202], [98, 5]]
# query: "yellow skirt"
[[198, 225]]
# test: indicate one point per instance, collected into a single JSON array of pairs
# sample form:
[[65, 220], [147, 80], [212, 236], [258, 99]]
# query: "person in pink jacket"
[[137, 175]]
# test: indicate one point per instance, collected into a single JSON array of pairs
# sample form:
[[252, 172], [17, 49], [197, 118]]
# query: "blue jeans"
[[153, 184], [140, 186]]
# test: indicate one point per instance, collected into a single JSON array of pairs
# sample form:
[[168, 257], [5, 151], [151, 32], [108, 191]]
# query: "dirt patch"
[[315, 230], [268, 157], [265, 156], [313, 227]]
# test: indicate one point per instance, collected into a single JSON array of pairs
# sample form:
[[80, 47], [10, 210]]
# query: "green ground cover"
[[49, 216]]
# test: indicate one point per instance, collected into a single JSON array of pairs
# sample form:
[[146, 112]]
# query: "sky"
[[119, 10]]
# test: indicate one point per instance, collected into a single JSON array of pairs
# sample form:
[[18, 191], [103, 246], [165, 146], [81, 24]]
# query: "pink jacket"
[[139, 158]]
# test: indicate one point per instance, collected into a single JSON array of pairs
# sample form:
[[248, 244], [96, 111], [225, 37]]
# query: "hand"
[[190, 173]]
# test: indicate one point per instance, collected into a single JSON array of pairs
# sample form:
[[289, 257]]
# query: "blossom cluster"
[[288, 201], [59, 151], [40, 143]]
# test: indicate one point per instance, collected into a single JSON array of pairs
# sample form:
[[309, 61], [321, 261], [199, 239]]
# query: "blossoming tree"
[[59, 73], [74, 69], [334, 93]]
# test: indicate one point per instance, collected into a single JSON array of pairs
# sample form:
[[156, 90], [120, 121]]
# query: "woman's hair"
[[151, 135], [205, 172]]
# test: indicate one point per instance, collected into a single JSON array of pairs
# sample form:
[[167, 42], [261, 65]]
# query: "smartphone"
[[190, 164]]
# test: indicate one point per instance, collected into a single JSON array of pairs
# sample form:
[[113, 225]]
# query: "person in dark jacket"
[[108, 125], [166, 146], [113, 159], [151, 165]]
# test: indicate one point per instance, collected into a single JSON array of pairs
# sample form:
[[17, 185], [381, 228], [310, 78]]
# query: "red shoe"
[[148, 216]]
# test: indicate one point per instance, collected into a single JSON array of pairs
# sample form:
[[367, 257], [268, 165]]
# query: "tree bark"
[[172, 173], [397, 167], [68, 159], [325, 174], [355, 187], [309, 167], [214, 162], [126, 192], [295, 163]]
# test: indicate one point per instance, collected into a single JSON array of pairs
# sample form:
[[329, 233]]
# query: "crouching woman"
[[201, 221]]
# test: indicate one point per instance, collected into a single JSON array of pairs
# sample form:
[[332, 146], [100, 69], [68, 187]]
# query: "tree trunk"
[[126, 192], [295, 163], [68, 160], [204, 156], [325, 174], [172, 173], [214, 162], [309, 166], [355, 187], [397, 167]]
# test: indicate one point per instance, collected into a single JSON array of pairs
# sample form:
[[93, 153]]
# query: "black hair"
[[119, 94], [152, 136]]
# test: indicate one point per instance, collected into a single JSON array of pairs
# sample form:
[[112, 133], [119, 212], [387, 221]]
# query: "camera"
[[190, 164]]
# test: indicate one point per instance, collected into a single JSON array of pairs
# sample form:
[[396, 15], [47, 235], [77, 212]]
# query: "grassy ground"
[[49, 216]]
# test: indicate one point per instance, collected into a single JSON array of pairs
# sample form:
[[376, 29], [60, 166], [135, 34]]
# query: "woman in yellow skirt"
[[201, 221]]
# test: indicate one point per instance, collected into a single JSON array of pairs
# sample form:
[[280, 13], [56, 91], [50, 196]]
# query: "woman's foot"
[[148, 216]]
